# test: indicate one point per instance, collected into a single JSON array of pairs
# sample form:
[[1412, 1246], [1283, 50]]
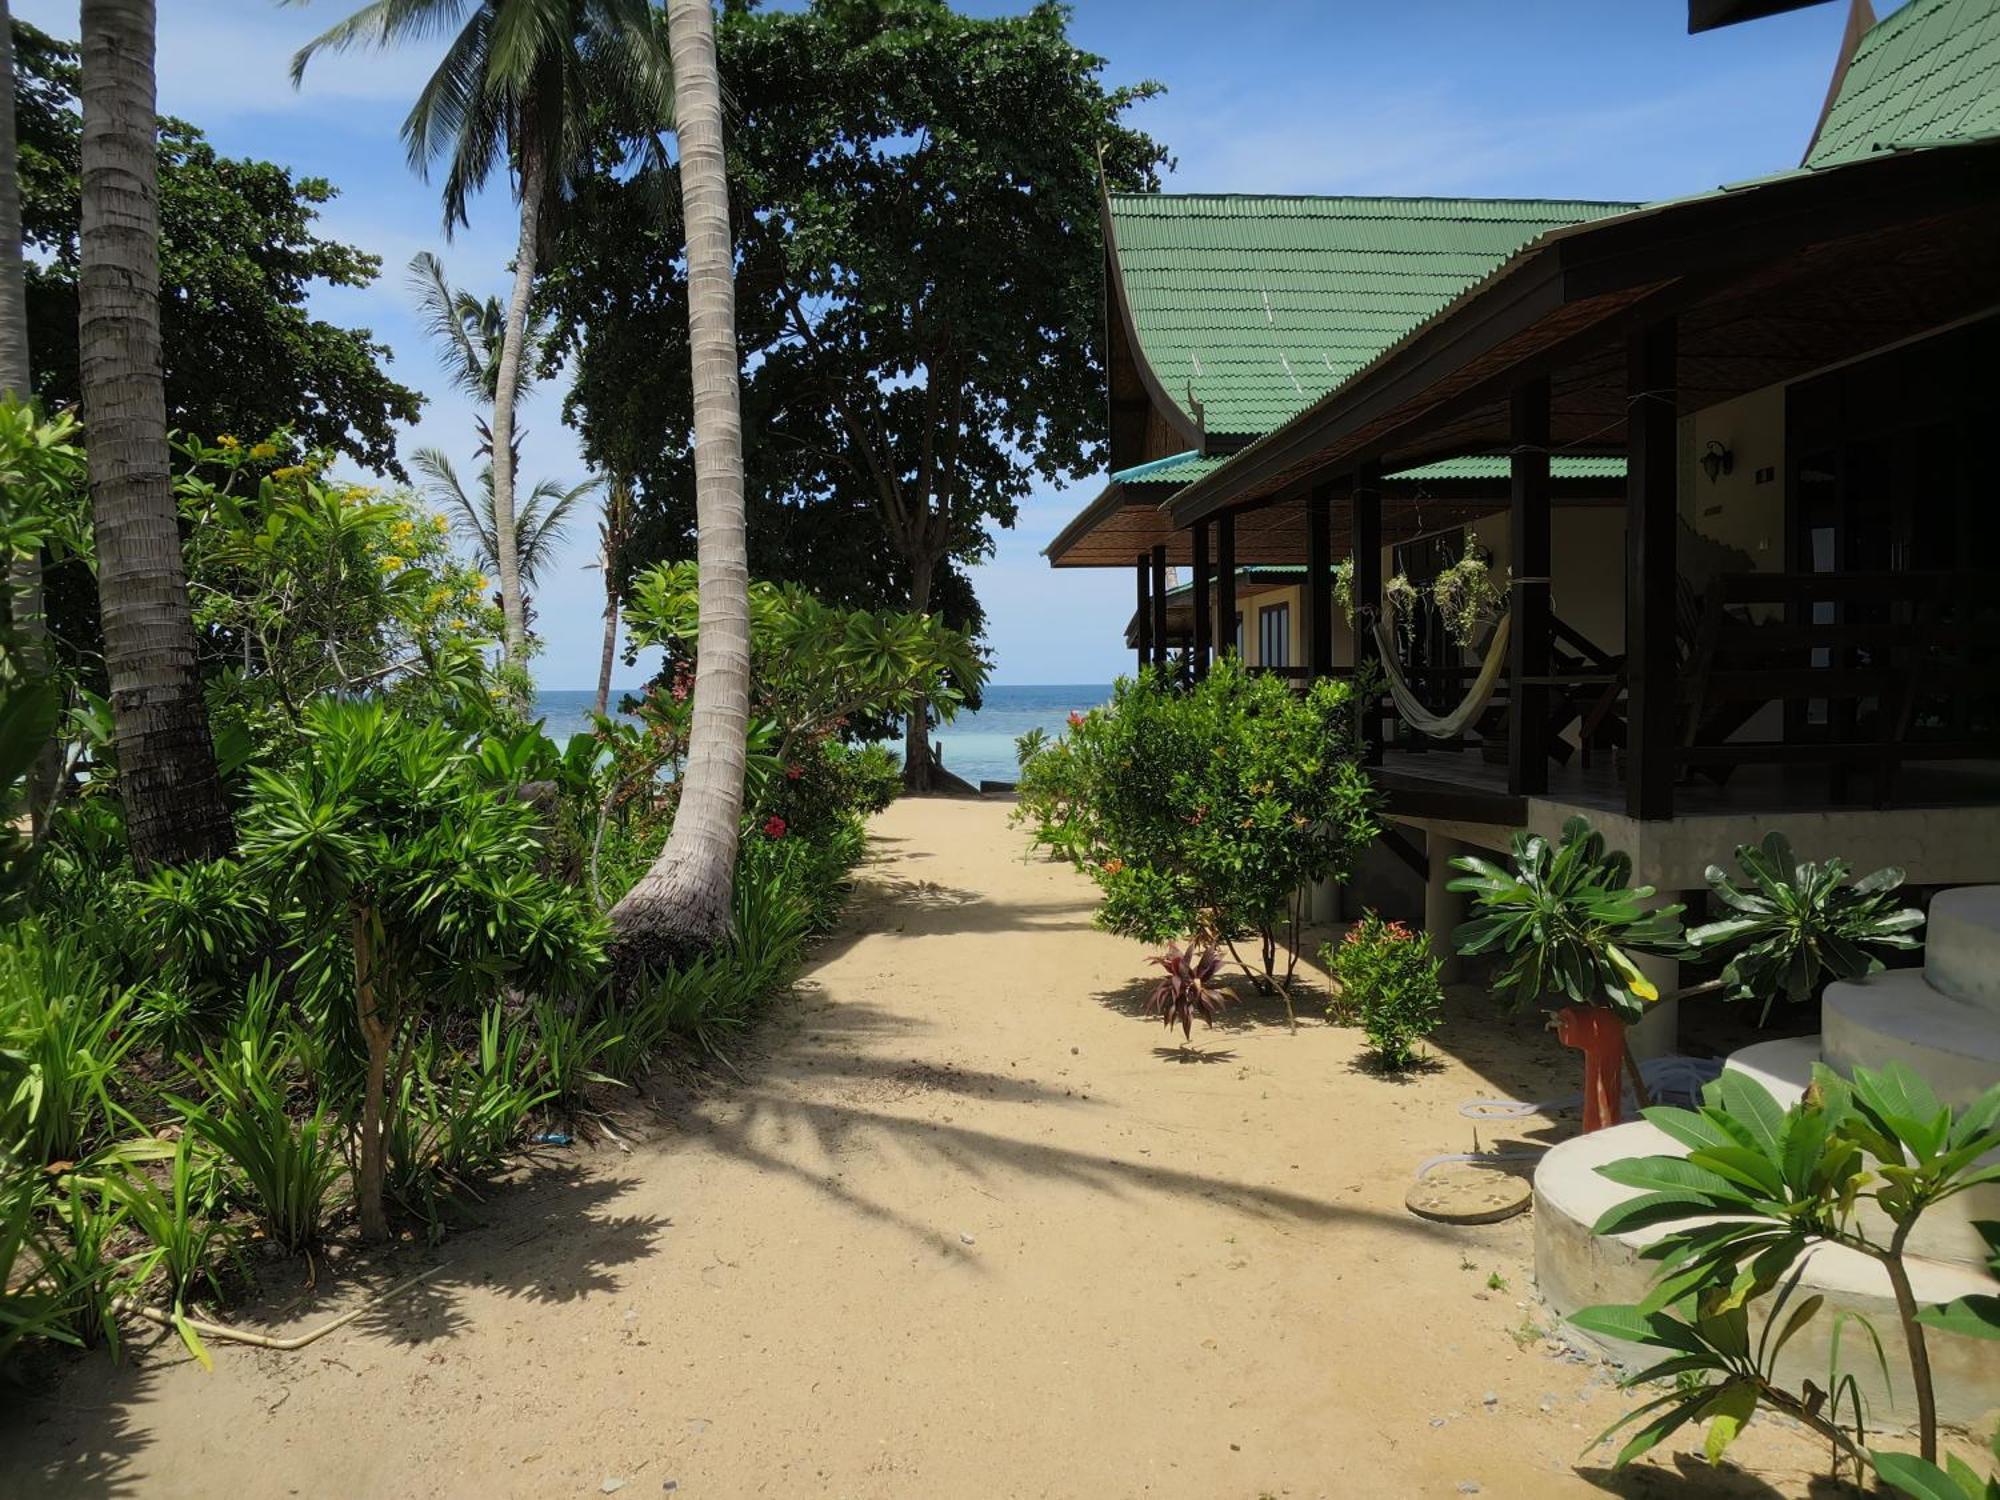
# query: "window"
[[1274, 635], [1237, 633]]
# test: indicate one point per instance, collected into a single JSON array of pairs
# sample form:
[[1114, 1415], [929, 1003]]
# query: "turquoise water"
[[976, 746]]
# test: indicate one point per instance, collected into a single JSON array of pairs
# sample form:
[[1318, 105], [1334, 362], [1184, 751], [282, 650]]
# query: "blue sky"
[[1563, 98]]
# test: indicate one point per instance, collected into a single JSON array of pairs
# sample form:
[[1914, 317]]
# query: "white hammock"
[[1411, 708]]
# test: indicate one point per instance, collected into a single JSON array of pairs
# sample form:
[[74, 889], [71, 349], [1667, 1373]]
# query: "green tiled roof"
[[1186, 468], [1927, 75], [1260, 305]]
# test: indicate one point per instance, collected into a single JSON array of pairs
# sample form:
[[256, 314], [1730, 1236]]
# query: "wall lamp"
[[1717, 461]]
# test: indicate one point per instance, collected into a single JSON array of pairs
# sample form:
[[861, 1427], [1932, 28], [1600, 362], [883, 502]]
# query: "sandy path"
[[964, 1232]]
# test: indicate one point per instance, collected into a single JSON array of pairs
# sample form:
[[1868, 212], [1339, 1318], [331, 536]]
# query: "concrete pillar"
[[1659, 1033], [1443, 909]]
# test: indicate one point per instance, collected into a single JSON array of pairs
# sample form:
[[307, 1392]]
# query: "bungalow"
[[1729, 454]]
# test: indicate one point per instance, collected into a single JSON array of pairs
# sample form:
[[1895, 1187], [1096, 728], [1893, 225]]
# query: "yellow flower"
[[439, 525], [479, 581], [226, 441], [290, 471], [263, 450], [392, 564], [402, 531]]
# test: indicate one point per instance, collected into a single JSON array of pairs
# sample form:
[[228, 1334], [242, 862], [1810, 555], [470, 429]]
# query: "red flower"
[[794, 771], [1075, 719], [774, 827]]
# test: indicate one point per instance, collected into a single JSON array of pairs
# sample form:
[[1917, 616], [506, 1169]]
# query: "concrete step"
[[1576, 1268], [1962, 946], [1945, 1233], [1867, 1022]]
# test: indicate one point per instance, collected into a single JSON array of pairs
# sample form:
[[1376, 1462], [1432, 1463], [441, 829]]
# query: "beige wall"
[[1248, 603], [1744, 510], [1586, 562]]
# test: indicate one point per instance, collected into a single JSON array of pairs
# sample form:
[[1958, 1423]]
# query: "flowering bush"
[[1206, 812], [1388, 974]]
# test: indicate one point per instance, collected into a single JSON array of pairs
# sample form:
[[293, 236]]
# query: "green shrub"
[[84, 1270], [1208, 811], [181, 1217], [1389, 976], [284, 1159], [62, 1038], [458, 1115]]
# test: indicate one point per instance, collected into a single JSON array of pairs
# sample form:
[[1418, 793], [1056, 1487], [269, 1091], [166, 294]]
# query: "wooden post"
[[1319, 579], [1528, 647], [1145, 615], [1651, 575], [1225, 581], [1366, 557], [1204, 637], [1160, 606]]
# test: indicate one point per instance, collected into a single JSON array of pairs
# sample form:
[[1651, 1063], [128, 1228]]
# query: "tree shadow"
[[93, 1458], [1692, 1478]]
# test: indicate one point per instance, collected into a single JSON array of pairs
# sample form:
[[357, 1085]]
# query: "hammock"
[[1411, 708]]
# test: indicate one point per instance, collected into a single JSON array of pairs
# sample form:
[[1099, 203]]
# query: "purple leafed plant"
[[1186, 989]]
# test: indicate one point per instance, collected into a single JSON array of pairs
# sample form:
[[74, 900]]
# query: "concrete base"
[[1955, 1046], [1575, 1268], [1962, 946]]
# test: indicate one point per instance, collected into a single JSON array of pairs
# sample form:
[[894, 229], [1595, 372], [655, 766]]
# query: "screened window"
[[1274, 635]]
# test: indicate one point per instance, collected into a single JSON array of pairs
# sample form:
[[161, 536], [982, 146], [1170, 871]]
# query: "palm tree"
[[540, 521], [517, 84], [683, 902], [166, 761], [614, 534], [469, 334]]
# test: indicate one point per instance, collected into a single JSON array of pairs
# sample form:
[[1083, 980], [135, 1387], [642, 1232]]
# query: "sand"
[[970, 1225]]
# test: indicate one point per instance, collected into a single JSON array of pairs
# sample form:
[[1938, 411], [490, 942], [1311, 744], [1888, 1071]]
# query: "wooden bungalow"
[[1774, 600]]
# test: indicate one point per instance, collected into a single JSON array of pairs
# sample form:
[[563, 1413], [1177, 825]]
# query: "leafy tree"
[[393, 843], [685, 901], [238, 244], [921, 294], [514, 88]]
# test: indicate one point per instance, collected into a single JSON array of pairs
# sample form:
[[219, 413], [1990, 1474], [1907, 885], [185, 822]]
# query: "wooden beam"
[[1160, 607], [1319, 579], [1204, 636], [1528, 646], [1651, 578], [1366, 554], [1225, 581], [1145, 615]]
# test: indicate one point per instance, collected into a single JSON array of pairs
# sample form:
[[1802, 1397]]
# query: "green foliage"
[[1388, 975], [1795, 924], [1206, 811], [895, 282], [1467, 597], [284, 1161], [62, 1038], [33, 1302], [1568, 920], [1763, 1184], [239, 248], [182, 1216]]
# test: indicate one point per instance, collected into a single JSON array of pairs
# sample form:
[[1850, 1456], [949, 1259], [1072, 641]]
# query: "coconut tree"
[[683, 902], [517, 85], [166, 761], [614, 534], [541, 520], [470, 333]]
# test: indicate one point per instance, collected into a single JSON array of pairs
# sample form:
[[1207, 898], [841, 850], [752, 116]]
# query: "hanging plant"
[[1468, 597], [1398, 593]]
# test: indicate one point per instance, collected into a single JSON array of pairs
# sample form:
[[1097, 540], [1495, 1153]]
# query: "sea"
[[977, 746]]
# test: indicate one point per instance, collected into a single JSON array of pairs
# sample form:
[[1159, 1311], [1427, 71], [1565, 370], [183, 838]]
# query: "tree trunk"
[[166, 761], [373, 1152], [682, 904], [24, 569], [917, 729], [610, 652], [507, 386]]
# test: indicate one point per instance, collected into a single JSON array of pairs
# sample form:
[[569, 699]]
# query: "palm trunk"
[[507, 386], [371, 1170], [683, 902], [24, 569], [174, 809], [917, 729], [610, 646]]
